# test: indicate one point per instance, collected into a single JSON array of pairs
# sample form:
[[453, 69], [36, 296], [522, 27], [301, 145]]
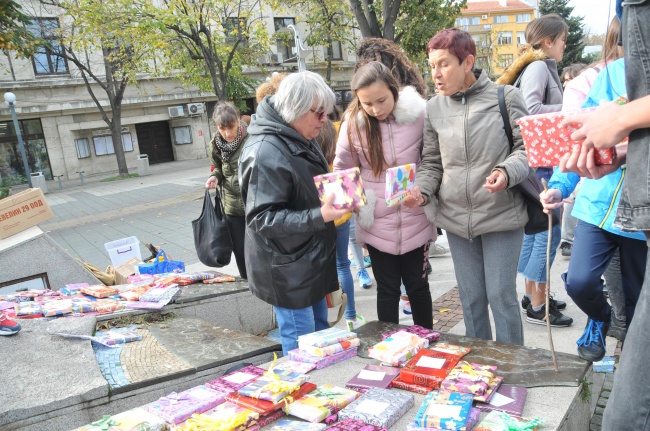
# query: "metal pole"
[[302, 64], [21, 144]]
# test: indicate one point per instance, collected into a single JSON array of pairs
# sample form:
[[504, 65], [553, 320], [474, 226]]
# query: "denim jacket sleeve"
[[565, 182]]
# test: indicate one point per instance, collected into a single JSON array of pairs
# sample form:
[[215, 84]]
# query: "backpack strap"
[[517, 84], [504, 113]]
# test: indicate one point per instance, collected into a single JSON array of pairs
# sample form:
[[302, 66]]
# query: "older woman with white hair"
[[290, 239]]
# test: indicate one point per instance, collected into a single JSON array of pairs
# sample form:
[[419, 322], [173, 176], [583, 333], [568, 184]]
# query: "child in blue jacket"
[[596, 239]]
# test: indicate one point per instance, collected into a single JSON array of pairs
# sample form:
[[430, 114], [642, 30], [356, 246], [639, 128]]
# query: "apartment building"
[[498, 30], [63, 130]]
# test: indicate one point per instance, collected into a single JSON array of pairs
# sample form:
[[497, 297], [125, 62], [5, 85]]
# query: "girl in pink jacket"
[[383, 128]]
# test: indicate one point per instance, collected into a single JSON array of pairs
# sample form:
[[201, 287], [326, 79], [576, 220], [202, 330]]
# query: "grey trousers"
[[486, 272]]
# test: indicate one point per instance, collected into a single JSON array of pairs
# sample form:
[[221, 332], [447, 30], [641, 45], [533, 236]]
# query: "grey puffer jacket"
[[464, 142], [289, 248]]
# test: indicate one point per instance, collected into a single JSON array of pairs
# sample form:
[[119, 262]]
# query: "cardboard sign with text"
[[23, 210]]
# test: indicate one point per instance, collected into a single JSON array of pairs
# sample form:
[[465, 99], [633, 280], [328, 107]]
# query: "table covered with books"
[[381, 377]]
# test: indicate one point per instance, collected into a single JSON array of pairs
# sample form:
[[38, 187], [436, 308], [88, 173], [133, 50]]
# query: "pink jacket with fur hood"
[[397, 229]]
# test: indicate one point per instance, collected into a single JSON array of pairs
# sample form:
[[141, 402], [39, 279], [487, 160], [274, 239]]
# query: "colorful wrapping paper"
[[491, 390], [320, 403], [444, 410], [289, 425], [236, 380], [373, 376], [419, 389], [346, 186], [418, 330], [107, 305], [330, 349], [398, 348], [501, 421], [57, 308], [451, 349], [234, 415], [139, 278], [428, 368], [546, 141], [322, 362], [264, 407], [98, 291], [158, 294], [271, 417], [469, 378], [326, 337], [507, 398], [134, 293], [188, 278], [472, 420], [298, 367], [139, 418], [381, 407], [82, 305], [31, 309], [354, 425], [112, 338], [273, 386], [220, 279], [400, 180], [178, 407]]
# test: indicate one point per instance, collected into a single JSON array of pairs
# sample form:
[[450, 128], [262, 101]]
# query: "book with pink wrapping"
[[346, 186]]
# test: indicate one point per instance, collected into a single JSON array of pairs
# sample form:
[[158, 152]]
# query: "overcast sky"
[[595, 12]]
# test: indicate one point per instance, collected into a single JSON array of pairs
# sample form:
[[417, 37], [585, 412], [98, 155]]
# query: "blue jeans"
[[357, 251], [343, 267], [532, 259], [296, 322], [628, 407], [593, 248]]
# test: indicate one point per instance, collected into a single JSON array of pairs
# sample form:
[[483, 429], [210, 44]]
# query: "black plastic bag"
[[211, 234]]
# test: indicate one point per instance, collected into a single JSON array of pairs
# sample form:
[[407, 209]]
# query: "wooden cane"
[[548, 281]]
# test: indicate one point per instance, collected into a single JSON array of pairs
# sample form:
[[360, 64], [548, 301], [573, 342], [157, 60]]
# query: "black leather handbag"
[[531, 187], [212, 238]]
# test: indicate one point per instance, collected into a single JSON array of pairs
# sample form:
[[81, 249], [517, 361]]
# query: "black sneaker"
[[525, 302], [566, 249], [539, 317], [591, 346]]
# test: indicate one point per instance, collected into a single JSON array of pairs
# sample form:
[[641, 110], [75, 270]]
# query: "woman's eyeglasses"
[[320, 114]]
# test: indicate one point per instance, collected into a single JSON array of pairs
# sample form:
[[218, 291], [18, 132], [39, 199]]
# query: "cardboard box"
[[123, 271], [23, 210]]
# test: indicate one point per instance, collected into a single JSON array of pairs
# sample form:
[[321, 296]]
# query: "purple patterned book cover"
[[508, 398], [373, 376]]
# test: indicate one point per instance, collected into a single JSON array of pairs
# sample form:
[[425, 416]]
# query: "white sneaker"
[[437, 250], [357, 323]]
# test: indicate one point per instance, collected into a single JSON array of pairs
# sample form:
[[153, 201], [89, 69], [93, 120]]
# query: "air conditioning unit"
[[484, 16], [175, 111], [195, 108]]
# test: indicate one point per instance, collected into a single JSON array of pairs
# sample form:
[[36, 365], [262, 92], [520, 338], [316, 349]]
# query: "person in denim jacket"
[[628, 407]]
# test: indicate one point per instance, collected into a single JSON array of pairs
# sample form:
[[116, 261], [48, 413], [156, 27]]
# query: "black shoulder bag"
[[531, 187]]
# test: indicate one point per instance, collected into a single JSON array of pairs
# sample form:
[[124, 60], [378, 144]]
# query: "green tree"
[[110, 28], [328, 22], [208, 43], [574, 45], [411, 23], [13, 35]]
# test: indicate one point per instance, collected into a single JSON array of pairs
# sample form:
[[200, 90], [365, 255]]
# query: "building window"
[[482, 62], [83, 148], [462, 22], [285, 44], [47, 59], [104, 144], [521, 38], [505, 38], [505, 60], [235, 28], [11, 164], [523, 17], [182, 135], [501, 19], [336, 53]]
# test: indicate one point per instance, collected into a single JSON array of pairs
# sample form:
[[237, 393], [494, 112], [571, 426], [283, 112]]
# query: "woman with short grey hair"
[[290, 239]]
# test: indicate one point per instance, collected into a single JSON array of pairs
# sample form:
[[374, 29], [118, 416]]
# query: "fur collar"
[[512, 72], [410, 106]]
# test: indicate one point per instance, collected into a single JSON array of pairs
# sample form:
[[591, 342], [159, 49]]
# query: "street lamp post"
[[10, 99], [302, 64]]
